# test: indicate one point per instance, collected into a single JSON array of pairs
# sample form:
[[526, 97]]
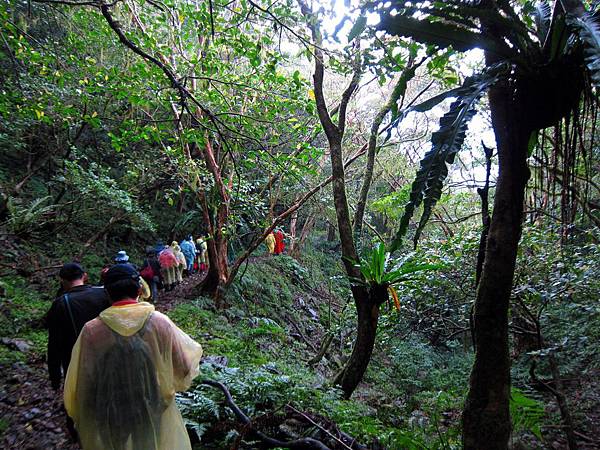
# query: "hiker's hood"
[[127, 319]]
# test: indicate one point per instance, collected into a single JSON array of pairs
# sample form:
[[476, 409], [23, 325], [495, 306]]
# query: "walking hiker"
[[189, 251], [151, 272], [202, 251], [159, 247], [123, 258], [77, 304], [279, 244], [181, 261], [69, 312], [168, 264], [270, 243], [125, 369]]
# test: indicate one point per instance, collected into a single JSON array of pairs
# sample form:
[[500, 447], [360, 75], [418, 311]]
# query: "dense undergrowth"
[[414, 389]]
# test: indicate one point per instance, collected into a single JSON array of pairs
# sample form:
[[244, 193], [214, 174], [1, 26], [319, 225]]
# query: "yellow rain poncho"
[[202, 250], [180, 259], [146, 293], [120, 387], [270, 242]]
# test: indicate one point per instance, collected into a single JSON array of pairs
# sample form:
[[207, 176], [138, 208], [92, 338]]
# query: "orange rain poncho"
[[120, 387], [279, 244]]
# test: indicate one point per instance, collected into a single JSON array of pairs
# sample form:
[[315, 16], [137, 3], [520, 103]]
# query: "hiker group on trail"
[[275, 242], [167, 265], [122, 361]]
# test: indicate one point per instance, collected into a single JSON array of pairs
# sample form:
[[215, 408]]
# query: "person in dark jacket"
[[69, 312]]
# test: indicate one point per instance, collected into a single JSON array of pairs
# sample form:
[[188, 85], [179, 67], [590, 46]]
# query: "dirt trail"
[[31, 411]]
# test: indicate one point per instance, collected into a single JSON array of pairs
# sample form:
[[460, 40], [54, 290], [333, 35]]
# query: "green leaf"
[[587, 29], [433, 101], [358, 27], [526, 413], [542, 16], [445, 143], [438, 33]]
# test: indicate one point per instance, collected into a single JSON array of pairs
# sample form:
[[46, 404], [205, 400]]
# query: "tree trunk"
[[486, 417], [292, 233], [366, 303], [330, 232], [485, 214], [218, 270], [398, 91], [306, 229], [367, 308]]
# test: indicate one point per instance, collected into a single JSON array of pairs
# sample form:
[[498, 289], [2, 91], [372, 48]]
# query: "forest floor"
[[31, 412]]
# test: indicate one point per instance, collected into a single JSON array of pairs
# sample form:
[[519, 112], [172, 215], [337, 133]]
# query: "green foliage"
[[377, 268], [25, 219], [193, 318], [22, 307], [97, 184], [3, 426], [445, 144], [560, 285], [358, 27], [391, 204], [526, 413], [21, 315]]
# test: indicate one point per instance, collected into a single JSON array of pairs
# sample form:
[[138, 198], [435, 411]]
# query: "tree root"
[[342, 440]]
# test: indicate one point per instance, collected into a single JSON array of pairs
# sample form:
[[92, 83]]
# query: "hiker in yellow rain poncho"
[[125, 368], [182, 264], [270, 242]]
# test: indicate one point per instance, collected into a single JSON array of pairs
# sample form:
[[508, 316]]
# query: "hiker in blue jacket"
[[188, 248]]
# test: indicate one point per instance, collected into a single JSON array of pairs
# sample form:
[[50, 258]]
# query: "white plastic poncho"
[[120, 387]]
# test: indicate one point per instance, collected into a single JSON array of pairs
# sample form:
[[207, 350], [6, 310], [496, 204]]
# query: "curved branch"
[[331, 130], [398, 91], [302, 443]]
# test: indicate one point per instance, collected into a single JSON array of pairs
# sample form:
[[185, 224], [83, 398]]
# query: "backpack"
[[126, 401], [147, 273], [167, 259]]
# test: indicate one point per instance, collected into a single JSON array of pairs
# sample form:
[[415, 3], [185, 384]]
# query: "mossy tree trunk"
[[367, 301], [519, 106], [486, 417]]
